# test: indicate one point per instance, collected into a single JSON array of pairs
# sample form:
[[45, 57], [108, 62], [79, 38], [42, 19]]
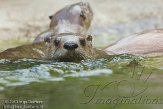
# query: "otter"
[[71, 47], [75, 18], [67, 47]]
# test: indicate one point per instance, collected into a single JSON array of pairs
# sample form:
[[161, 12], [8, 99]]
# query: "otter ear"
[[47, 39], [89, 38], [50, 17]]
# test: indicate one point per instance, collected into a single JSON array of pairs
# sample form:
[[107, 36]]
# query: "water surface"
[[93, 84]]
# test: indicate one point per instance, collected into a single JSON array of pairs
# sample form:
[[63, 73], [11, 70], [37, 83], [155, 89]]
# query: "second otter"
[[75, 18]]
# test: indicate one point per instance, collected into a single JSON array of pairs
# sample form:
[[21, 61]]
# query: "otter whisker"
[[56, 50]]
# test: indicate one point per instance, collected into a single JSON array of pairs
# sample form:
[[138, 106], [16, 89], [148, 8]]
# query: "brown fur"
[[32, 51], [83, 51]]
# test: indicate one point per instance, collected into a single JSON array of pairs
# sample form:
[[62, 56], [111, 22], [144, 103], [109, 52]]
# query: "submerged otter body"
[[75, 18], [31, 51]]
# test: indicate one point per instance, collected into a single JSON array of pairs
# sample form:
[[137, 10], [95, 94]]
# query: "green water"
[[116, 82]]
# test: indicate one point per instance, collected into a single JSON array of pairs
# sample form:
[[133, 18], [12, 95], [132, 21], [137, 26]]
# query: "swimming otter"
[[75, 18], [65, 47], [71, 47]]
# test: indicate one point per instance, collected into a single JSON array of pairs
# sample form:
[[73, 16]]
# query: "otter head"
[[69, 47], [74, 18]]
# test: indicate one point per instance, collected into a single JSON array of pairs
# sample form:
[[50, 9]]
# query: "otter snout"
[[70, 45]]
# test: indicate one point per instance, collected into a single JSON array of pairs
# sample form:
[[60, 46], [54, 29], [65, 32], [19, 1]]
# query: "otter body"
[[75, 18], [149, 43], [31, 51]]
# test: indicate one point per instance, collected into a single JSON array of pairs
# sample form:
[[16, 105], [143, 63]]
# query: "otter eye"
[[89, 38], [47, 39], [50, 17], [56, 42], [82, 42]]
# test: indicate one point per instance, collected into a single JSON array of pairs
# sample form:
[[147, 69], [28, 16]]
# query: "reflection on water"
[[64, 82]]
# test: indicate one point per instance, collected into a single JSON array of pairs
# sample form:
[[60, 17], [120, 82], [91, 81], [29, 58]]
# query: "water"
[[93, 84]]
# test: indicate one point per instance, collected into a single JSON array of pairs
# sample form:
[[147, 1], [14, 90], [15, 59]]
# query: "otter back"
[[31, 51], [143, 44]]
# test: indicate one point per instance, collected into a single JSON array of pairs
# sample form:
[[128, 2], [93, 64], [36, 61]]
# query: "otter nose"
[[70, 45]]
